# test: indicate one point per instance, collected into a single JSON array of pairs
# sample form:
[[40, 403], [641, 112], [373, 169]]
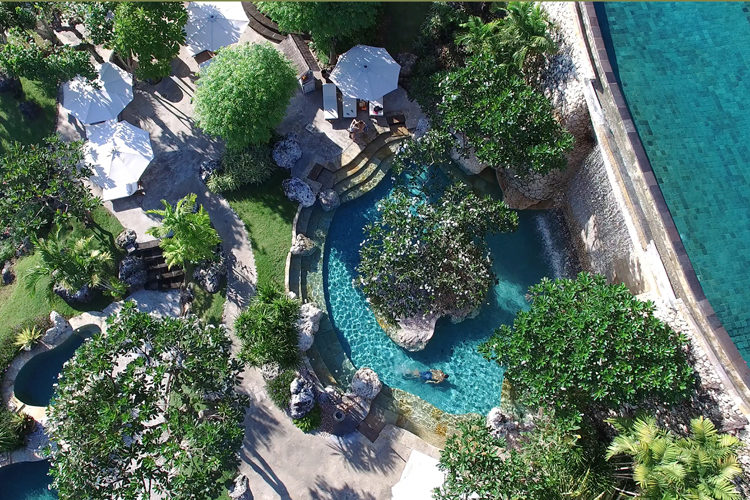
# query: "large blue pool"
[[26, 481], [684, 69], [520, 260]]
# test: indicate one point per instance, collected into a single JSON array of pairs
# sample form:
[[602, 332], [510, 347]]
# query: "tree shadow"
[[362, 456], [323, 491]]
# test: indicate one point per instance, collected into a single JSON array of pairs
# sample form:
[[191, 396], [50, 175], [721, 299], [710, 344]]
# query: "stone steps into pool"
[[360, 161], [370, 174]]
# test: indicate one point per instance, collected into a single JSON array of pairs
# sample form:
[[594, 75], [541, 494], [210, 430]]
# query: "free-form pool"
[[26, 481], [684, 70], [35, 382], [520, 260]]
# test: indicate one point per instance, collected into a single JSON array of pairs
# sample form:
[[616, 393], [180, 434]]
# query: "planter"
[[338, 416]]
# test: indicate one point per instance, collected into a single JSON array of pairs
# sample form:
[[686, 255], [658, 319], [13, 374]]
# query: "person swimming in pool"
[[429, 376]]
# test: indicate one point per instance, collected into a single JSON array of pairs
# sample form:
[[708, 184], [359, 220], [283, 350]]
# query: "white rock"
[[60, 327], [302, 245], [414, 333], [366, 383], [241, 489], [308, 323], [298, 190], [329, 199], [286, 152]]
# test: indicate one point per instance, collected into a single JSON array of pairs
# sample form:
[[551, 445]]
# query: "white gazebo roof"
[[366, 72], [119, 154], [213, 25], [90, 104]]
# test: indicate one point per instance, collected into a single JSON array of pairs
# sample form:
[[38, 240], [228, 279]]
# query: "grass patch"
[[400, 24], [268, 216], [209, 307], [15, 127], [19, 308]]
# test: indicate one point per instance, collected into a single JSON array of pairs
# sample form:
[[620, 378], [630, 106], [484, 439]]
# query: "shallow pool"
[[26, 481], [520, 260], [35, 382]]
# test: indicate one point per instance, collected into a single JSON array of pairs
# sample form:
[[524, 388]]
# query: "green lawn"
[[268, 216], [14, 127], [399, 25], [209, 306], [19, 307]]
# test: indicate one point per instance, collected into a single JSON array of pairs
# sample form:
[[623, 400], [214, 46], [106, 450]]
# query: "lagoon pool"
[[26, 481], [520, 259]]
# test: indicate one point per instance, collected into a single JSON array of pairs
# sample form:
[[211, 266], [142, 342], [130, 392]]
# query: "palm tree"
[[663, 466], [479, 36], [187, 236], [524, 35]]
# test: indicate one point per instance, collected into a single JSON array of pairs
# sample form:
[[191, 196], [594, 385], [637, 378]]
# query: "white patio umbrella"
[[366, 73], [90, 104], [211, 26], [119, 153]]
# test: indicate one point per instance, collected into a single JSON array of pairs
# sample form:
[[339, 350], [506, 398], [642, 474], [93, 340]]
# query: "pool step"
[[359, 161], [364, 175]]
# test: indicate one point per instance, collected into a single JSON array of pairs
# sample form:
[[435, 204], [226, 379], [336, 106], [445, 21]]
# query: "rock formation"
[[366, 383], [302, 245], [298, 190], [287, 151], [307, 324], [303, 397], [209, 274], [329, 199], [133, 272], [60, 328]]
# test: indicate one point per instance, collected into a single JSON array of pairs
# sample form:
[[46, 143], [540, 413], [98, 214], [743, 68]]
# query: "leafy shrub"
[[27, 337], [13, 429], [278, 388], [8, 347], [267, 329], [584, 342], [240, 168], [309, 422]]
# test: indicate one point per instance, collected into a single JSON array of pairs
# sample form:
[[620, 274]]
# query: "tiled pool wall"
[[648, 206]]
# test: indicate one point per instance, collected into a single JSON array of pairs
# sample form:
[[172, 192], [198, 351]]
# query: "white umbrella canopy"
[[90, 104], [211, 26], [119, 154], [366, 72]]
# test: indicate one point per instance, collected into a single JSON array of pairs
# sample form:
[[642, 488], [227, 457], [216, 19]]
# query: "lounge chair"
[[350, 106], [330, 102]]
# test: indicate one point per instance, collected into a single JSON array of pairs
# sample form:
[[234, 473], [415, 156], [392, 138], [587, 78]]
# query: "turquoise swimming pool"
[[26, 481], [36, 381], [520, 260], [684, 69]]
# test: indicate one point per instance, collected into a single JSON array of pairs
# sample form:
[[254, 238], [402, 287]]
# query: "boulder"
[[209, 274], [302, 245], [414, 333], [406, 60], [502, 425], [298, 190], [24, 248], [307, 324], [329, 199], [60, 327], [126, 240], [240, 489], [207, 168], [366, 383], [270, 370], [133, 272], [8, 275], [287, 151], [81, 296], [303, 397]]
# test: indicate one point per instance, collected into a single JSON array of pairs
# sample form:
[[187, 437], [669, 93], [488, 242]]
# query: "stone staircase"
[[159, 276], [262, 25]]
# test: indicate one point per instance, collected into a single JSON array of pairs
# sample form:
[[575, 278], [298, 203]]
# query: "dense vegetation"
[[13, 429], [148, 389], [244, 94], [278, 388], [240, 168]]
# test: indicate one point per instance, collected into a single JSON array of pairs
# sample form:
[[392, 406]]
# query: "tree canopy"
[[586, 343], [148, 409], [42, 184], [243, 95]]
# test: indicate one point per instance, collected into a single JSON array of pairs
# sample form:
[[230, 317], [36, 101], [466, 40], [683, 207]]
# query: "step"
[[367, 184], [365, 171], [262, 25]]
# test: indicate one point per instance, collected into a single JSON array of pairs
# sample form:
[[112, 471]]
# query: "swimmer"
[[429, 376]]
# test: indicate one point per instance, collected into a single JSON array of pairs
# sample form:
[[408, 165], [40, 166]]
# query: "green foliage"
[[13, 429], [16, 15], [309, 422], [267, 329], [702, 465], [42, 184], [278, 388], [150, 32], [15, 127], [26, 55], [424, 257], [244, 93], [74, 266], [549, 464], [252, 165], [326, 22], [175, 398], [584, 342], [98, 17], [187, 236], [27, 337]]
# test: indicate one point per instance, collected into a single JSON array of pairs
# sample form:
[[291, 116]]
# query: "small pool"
[[35, 382], [26, 481], [520, 260]]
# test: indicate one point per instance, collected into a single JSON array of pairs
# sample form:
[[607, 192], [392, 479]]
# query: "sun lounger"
[[350, 106], [330, 102], [376, 104]]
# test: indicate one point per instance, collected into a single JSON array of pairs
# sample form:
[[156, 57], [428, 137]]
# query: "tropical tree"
[[147, 410], [41, 184], [75, 268], [525, 35], [326, 22], [478, 35], [701, 465], [243, 95], [586, 343], [13, 429], [187, 236]]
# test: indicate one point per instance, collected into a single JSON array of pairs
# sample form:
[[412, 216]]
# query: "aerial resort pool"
[[520, 259], [684, 69], [35, 382], [26, 481]]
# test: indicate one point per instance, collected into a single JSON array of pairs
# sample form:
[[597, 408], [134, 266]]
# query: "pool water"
[[684, 69], [35, 382], [26, 481], [520, 260]]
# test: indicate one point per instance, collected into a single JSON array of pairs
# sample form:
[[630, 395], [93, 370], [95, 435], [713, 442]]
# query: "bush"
[[278, 389], [240, 168], [13, 429], [27, 337], [309, 422], [267, 329], [586, 343]]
